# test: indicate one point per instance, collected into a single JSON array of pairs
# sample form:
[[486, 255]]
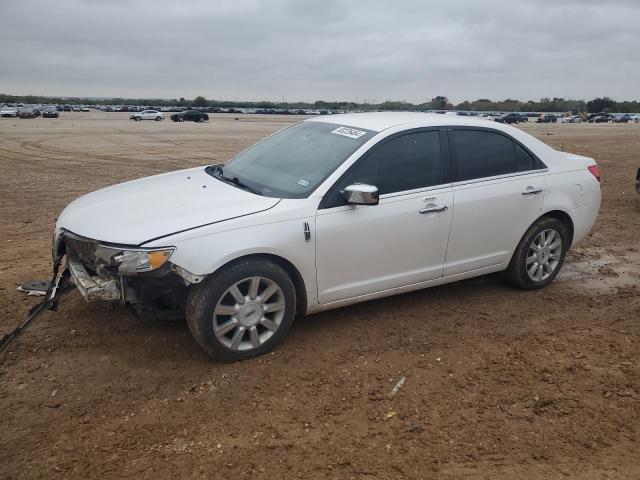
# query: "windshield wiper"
[[217, 171]]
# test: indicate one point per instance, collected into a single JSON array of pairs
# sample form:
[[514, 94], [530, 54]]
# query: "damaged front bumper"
[[94, 288], [96, 269]]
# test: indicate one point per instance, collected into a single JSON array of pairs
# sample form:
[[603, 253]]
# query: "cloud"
[[334, 49]]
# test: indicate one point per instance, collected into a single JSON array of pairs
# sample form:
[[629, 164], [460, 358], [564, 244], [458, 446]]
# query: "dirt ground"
[[500, 383]]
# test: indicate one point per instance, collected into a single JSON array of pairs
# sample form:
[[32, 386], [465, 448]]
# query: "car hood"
[[136, 212]]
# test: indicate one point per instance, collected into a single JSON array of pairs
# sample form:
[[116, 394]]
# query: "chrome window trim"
[[500, 177], [387, 196], [442, 186]]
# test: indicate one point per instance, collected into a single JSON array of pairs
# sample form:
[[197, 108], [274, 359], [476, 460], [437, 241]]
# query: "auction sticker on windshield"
[[349, 132]]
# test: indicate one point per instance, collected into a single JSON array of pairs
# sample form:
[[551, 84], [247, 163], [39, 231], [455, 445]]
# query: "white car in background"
[[328, 212], [572, 119], [7, 111], [147, 115]]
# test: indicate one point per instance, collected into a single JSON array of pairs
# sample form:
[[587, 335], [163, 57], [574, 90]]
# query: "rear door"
[[498, 191], [366, 249]]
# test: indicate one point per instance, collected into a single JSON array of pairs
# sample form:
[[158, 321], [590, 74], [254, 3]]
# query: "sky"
[[306, 50]]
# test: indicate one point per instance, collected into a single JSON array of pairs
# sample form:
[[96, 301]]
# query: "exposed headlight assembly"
[[134, 261]]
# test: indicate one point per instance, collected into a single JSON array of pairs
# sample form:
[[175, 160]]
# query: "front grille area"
[[83, 249]]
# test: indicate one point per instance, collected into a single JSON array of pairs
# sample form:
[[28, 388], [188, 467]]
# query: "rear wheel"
[[158, 119], [539, 255], [242, 311], [181, 118]]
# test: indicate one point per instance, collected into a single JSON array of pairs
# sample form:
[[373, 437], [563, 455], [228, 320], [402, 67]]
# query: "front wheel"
[[137, 119], [158, 119], [242, 311], [539, 255], [181, 119]]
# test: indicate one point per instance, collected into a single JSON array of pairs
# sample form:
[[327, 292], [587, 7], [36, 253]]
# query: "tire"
[[518, 271], [137, 119], [158, 119], [245, 329], [180, 119]]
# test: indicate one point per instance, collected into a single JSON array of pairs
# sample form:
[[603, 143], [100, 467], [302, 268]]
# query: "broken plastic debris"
[[34, 287], [393, 392]]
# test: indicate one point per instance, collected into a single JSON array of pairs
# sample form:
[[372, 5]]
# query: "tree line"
[[600, 104]]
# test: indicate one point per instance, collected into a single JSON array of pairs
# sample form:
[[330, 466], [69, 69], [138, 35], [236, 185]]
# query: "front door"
[[401, 241]]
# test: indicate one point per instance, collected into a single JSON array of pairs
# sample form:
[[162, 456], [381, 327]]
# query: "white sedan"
[[328, 212], [7, 111], [147, 115], [572, 119]]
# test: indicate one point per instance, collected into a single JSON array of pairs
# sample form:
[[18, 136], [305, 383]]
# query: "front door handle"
[[433, 209], [532, 190]]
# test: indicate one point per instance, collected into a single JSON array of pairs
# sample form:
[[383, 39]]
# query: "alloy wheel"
[[544, 255], [248, 313]]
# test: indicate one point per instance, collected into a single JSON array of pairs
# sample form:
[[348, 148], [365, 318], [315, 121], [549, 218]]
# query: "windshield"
[[294, 161]]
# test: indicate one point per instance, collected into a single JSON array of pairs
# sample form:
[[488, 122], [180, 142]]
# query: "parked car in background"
[[8, 111], [509, 118], [50, 112], [600, 117], [547, 118], [85, 109], [190, 116], [572, 119], [147, 115], [523, 117], [27, 112], [622, 118], [328, 212], [76, 108]]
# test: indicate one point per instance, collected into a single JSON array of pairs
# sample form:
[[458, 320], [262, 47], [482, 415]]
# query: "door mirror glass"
[[361, 194]]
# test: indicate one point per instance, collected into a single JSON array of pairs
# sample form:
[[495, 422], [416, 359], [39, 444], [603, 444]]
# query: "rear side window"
[[524, 160], [480, 153], [483, 154]]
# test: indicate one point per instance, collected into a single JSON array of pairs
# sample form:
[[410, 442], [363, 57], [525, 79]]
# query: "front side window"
[[294, 161], [404, 163], [407, 162]]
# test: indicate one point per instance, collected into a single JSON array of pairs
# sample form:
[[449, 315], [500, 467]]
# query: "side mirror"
[[361, 194]]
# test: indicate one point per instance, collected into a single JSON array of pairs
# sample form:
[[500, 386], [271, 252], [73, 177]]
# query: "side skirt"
[[407, 288]]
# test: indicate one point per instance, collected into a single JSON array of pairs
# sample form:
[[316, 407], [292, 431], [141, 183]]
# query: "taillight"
[[595, 171]]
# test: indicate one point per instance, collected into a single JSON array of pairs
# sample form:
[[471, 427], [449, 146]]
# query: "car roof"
[[379, 121]]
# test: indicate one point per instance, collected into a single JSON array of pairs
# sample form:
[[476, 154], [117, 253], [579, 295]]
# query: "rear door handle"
[[532, 190], [433, 209]]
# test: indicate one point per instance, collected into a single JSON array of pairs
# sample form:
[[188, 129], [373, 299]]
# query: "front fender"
[[205, 254]]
